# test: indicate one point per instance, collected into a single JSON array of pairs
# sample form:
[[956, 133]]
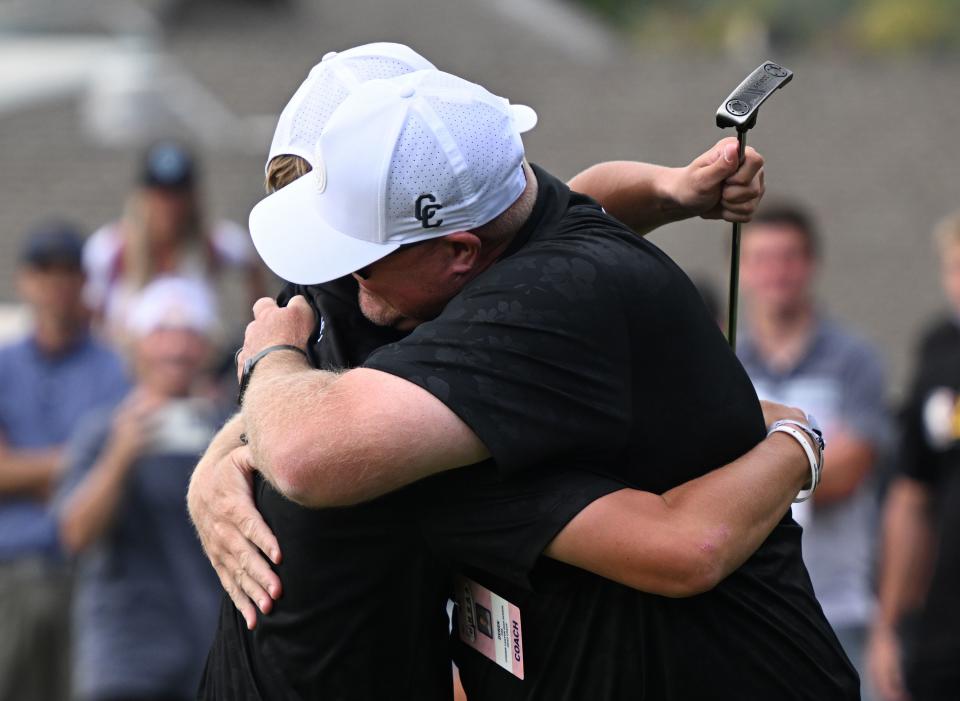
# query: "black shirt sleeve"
[[916, 460], [477, 520], [936, 380], [533, 355]]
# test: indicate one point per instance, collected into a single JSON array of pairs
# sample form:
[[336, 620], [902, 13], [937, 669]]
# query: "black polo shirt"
[[930, 454], [363, 610], [586, 345]]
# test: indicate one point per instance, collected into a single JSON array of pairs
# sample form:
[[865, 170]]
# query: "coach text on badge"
[[490, 625]]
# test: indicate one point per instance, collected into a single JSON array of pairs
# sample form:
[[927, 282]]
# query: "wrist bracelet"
[[816, 463], [811, 429], [250, 363]]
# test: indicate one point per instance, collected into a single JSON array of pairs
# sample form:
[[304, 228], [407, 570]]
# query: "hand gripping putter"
[[740, 111]]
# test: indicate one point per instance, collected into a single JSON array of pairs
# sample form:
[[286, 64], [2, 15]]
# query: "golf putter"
[[740, 111]]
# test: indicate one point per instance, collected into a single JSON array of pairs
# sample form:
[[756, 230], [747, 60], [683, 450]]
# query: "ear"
[[462, 251]]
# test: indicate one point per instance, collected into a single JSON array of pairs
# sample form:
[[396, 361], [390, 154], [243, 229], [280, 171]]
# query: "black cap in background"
[[53, 244], [168, 165]]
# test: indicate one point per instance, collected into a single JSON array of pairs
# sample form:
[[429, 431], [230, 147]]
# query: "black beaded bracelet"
[[250, 363]]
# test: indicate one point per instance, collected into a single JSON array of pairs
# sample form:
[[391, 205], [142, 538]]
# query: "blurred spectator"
[[48, 382], [920, 557], [146, 598], [796, 355], [163, 232]]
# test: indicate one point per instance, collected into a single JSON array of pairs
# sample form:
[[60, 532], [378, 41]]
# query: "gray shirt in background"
[[840, 381]]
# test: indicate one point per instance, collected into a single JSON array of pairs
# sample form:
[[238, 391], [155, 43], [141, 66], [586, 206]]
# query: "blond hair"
[[946, 234], [283, 170], [139, 266]]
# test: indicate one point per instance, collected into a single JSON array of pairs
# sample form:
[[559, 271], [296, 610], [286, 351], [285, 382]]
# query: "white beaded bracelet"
[[816, 462]]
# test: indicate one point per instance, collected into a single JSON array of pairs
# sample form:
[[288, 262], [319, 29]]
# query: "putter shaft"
[[740, 110], [735, 259]]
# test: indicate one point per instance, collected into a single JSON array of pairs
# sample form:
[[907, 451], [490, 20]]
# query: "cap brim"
[[293, 239], [524, 118]]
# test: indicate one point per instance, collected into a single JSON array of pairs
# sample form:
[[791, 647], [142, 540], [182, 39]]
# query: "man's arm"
[[220, 498], [368, 432], [905, 560], [645, 196], [689, 539], [31, 473], [857, 437], [851, 461], [905, 550], [90, 504], [350, 451]]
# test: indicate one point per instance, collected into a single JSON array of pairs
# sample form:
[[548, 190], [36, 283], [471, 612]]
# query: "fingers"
[[264, 584], [262, 305], [749, 168], [739, 202], [248, 538], [273, 325], [729, 215], [306, 318], [743, 194], [241, 601], [146, 404], [246, 566], [135, 405], [300, 305], [256, 530], [230, 527], [212, 539], [249, 520], [712, 168], [242, 569], [241, 561], [724, 150]]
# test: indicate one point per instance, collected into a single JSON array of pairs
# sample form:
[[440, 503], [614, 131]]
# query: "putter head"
[[740, 109]]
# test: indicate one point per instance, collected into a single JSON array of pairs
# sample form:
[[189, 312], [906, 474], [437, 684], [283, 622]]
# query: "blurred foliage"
[[867, 25]]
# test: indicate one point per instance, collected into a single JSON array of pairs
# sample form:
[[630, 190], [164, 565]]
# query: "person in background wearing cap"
[[164, 231], [449, 436], [49, 381], [146, 601]]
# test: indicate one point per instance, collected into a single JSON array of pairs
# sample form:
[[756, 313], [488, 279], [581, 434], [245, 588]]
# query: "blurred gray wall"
[[870, 145]]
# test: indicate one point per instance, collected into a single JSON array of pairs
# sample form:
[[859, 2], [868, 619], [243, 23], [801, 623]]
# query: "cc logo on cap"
[[424, 213]]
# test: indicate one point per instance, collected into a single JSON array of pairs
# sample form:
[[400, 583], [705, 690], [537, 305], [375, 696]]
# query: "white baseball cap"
[[328, 84], [402, 160], [173, 303]]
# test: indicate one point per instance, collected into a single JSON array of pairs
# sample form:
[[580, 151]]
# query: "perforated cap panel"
[[303, 119], [377, 67], [484, 142], [306, 122], [419, 168]]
